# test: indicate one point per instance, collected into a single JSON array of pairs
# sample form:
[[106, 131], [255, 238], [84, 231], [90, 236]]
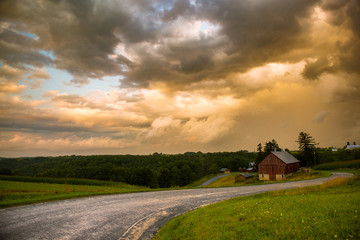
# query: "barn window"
[[282, 175], [262, 175]]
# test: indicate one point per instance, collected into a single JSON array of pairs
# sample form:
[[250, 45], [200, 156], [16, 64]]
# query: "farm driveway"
[[124, 216]]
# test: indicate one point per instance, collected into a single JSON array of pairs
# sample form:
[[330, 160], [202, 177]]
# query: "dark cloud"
[[18, 49], [313, 70], [83, 35], [330, 5], [344, 14], [179, 8], [39, 124], [250, 34], [250, 25]]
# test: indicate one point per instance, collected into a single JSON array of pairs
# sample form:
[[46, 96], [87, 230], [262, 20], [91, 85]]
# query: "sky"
[[174, 76]]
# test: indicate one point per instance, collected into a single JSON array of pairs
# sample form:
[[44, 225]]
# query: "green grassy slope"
[[14, 193], [321, 212], [229, 181], [338, 165]]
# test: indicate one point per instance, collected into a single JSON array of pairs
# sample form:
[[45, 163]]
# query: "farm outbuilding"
[[243, 177], [277, 165], [225, 170], [352, 147]]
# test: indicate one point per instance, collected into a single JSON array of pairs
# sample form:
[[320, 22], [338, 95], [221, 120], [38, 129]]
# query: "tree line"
[[163, 170], [156, 170]]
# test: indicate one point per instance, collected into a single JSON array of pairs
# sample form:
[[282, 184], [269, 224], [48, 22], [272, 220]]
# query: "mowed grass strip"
[[229, 181], [339, 165], [71, 181], [331, 211], [13, 193]]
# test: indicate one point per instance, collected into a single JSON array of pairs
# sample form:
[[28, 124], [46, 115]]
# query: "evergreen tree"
[[260, 154], [271, 146], [307, 149]]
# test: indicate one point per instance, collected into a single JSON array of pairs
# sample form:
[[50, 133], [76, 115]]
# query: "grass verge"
[[72, 181], [229, 181], [329, 211]]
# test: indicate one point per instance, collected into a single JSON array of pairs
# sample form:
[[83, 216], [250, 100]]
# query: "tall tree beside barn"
[[271, 146], [268, 148], [259, 154], [307, 149]]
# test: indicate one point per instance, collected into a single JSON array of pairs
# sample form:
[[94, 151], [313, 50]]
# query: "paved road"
[[211, 180], [124, 216]]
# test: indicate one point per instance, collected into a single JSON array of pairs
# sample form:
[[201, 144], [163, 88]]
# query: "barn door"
[[272, 174]]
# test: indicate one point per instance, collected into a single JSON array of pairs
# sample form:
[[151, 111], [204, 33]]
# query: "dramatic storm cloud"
[[115, 77]]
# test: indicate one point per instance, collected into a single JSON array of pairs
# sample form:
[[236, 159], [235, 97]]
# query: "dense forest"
[[156, 170]]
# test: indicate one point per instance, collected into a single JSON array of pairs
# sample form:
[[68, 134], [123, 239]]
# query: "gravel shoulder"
[[123, 216]]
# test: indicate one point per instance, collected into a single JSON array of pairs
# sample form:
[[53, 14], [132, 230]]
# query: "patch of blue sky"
[[113, 81], [29, 66], [29, 35], [164, 6], [192, 2], [50, 54], [33, 94], [61, 81], [205, 26]]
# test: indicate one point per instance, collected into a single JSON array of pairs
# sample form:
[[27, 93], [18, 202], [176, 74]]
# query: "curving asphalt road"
[[124, 216], [211, 180]]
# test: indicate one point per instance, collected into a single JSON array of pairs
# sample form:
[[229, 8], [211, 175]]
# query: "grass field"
[[14, 193], [229, 181], [330, 211], [71, 181], [339, 165], [20, 190]]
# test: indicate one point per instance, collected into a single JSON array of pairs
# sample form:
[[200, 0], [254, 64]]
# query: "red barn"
[[277, 165]]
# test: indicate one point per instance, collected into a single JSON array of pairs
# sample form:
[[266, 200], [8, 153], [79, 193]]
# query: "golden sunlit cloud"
[[176, 76]]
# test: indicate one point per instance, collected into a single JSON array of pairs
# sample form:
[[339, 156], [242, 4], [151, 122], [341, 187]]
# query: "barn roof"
[[285, 157], [352, 146], [223, 169], [247, 175]]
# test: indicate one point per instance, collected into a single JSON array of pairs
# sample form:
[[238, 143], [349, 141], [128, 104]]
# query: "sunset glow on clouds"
[[118, 77]]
